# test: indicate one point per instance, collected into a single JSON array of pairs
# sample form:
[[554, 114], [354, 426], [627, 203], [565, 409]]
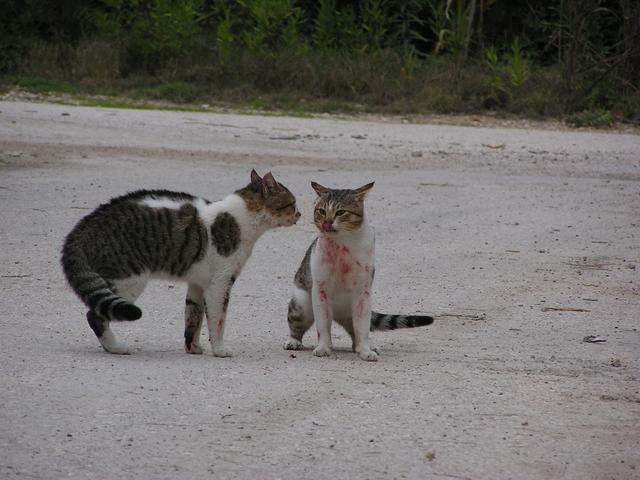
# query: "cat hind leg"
[[107, 339], [193, 315], [129, 289], [300, 319]]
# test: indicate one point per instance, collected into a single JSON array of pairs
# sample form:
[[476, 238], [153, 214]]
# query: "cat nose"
[[298, 214], [327, 226]]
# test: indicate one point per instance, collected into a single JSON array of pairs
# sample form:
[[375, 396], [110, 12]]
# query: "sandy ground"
[[521, 242]]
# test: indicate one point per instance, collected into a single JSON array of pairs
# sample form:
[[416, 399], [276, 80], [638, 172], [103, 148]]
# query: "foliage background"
[[577, 58]]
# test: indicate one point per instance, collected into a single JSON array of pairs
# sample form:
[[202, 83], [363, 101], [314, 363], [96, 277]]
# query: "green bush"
[[534, 58], [96, 64], [596, 118], [271, 25], [153, 36]]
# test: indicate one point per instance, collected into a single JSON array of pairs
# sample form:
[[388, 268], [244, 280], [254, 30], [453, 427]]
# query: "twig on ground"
[[564, 309]]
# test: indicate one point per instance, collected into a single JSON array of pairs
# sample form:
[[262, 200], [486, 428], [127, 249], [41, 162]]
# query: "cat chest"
[[344, 268]]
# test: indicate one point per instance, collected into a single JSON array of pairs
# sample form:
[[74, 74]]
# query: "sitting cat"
[[111, 254], [335, 277]]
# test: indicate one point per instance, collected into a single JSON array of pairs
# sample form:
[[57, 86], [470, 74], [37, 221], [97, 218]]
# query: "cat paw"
[[369, 356], [111, 345], [194, 349], [293, 344], [322, 351], [375, 348], [117, 350], [222, 352]]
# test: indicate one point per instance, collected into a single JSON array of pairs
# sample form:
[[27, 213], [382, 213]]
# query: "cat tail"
[[94, 291], [380, 321]]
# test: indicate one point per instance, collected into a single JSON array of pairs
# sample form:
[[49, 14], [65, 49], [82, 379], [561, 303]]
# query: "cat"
[[334, 280], [113, 252]]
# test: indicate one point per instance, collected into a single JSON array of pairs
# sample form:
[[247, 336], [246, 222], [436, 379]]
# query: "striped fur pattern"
[[380, 321], [333, 282], [113, 252]]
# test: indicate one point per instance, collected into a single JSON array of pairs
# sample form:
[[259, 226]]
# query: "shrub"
[[596, 118]]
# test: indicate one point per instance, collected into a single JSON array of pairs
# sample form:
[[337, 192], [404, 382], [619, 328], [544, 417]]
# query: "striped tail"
[[380, 321], [94, 291]]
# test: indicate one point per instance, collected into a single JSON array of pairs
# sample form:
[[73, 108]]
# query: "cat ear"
[[255, 179], [319, 188], [362, 191], [270, 182]]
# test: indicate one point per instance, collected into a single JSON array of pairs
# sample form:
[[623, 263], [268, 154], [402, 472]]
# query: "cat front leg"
[[216, 302], [361, 311], [323, 315]]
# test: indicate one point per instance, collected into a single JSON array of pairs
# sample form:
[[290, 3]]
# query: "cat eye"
[[339, 213], [321, 211], [286, 206]]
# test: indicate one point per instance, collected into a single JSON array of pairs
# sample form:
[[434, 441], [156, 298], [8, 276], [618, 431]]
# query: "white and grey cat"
[[113, 252], [335, 277]]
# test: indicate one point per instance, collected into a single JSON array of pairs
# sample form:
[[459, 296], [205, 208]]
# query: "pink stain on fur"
[[324, 299], [322, 291], [360, 305], [345, 269], [338, 257], [323, 296], [220, 322]]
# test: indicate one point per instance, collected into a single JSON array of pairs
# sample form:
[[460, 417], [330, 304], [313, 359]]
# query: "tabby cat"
[[111, 254], [335, 277]]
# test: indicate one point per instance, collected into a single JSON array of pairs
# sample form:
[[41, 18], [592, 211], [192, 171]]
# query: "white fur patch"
[[131, 287], [162, 203], [111, 345], [301, 296]]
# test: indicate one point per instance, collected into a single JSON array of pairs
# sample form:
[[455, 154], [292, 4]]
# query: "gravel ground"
[[521, 242]]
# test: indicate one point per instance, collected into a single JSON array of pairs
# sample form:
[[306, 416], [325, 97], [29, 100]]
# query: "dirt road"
[[521, 242]]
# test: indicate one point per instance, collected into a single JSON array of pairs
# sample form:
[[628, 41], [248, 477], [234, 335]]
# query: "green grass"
[[132, 105], [46, 85], [185, 97], [302, 85], [177, 92]]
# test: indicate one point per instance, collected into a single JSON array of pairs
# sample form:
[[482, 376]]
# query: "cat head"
[[339, 210], [272, 199]]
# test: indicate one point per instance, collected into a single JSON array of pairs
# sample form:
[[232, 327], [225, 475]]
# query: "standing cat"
[[111, 254], [335, 277]]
